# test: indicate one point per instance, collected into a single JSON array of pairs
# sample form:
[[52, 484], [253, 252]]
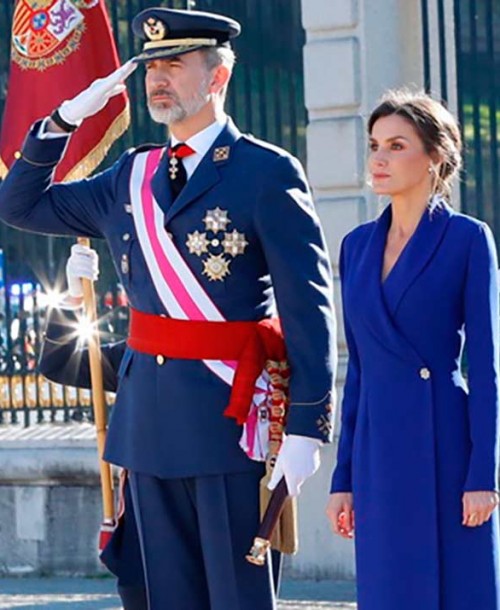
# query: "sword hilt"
[[262, 542]]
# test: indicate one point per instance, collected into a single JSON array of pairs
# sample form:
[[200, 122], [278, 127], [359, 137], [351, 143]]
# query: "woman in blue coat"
[[416, 475]]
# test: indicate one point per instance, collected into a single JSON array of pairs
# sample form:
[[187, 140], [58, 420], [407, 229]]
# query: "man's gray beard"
[[178, 112], [167, 116]]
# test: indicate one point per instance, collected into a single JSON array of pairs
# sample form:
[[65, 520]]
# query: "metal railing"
[[478, 59], [26, 397]]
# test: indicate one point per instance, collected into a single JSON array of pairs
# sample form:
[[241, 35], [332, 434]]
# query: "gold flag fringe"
[[3, 169], [88, 164]]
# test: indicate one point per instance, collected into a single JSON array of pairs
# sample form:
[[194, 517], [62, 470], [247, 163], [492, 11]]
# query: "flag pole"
[[99, 404]]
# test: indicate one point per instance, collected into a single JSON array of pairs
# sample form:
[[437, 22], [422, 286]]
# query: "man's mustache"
[[162, 92]]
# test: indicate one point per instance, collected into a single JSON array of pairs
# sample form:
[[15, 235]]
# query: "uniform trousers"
[[122, 556], [194, 535]]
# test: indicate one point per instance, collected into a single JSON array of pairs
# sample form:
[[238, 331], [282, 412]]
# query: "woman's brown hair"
[[435, 126]]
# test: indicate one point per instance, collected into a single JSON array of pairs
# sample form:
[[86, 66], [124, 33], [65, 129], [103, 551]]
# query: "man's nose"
[[159, 77]]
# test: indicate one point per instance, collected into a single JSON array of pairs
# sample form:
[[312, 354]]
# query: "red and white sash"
[[181, 293]]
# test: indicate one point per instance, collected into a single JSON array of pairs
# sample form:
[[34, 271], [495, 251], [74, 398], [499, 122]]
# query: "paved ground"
[[98, 594]]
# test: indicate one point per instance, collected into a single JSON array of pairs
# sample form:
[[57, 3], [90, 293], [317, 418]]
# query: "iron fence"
[[478, 61], [265, 98]]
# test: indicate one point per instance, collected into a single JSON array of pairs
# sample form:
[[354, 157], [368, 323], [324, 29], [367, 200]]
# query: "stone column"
[[355, 50]]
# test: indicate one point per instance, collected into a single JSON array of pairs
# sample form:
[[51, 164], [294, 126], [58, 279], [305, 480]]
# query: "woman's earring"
[[430, 169]]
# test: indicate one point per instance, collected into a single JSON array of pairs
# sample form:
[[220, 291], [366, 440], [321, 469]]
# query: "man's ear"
[[220, 78]]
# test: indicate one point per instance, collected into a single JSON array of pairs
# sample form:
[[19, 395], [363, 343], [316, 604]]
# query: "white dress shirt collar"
[[201, 143]]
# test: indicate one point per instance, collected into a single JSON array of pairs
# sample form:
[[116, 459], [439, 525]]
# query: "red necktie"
[[176, 171]]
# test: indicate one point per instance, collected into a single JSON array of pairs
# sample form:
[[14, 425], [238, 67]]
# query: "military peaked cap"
[[168, 32]]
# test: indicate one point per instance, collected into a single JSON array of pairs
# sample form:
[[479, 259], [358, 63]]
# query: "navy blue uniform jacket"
[[168, 419], [415, 434]]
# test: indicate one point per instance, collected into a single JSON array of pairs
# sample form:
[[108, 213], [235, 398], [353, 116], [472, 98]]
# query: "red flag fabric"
[[58, 48]]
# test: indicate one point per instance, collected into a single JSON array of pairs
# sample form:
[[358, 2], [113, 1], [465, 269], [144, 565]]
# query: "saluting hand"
[[94, 98], [478, 507], [340, 513]]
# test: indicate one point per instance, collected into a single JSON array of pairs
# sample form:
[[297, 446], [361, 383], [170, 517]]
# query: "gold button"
[[215, 243], [160, 360], [425, 373], [18, 154]]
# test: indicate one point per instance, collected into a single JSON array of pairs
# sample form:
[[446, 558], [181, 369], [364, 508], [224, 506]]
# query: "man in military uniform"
[[212, 235]]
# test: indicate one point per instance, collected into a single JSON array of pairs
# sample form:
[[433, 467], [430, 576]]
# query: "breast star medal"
[[216, 220], [234, 243], [197, 243], [215, 267], [216, 263]]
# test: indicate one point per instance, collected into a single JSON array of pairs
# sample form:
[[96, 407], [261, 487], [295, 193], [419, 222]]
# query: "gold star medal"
[[216, 220], [197, 243], [216, 267], [234, 243]]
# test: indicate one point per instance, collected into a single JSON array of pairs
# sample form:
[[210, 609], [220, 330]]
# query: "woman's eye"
[[397, 146]]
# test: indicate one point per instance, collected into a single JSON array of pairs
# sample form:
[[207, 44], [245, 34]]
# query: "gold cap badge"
[[154, 29]]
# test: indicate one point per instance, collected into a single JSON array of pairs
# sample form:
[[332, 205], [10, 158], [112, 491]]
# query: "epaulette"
[[144, 147], [251, 139]]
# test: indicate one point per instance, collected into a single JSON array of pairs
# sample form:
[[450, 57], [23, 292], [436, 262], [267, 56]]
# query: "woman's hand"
[[478, 507], [340, 513]]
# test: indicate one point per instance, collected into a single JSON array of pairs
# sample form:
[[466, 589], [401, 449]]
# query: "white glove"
[[297, 460], [95, 97], [83, 263]]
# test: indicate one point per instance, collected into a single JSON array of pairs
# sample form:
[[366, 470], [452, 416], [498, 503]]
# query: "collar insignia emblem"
[[221, 153]]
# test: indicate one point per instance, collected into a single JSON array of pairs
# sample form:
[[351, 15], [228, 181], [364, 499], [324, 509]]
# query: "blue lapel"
[[368, 282], [207, 173], [416, 255], [160, 185]]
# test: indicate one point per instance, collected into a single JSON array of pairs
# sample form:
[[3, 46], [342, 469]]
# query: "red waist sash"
[[251, 344]]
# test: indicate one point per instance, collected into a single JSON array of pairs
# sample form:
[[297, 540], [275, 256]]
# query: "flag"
[[58, 48]]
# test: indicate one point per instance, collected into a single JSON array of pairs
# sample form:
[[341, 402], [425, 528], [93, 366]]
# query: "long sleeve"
[[342, 478], [63, 361], [481, 328], [30, 201], [298, 262]]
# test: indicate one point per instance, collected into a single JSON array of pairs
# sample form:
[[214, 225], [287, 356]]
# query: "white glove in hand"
[[298, 459], [95, 97], [83, 263]]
